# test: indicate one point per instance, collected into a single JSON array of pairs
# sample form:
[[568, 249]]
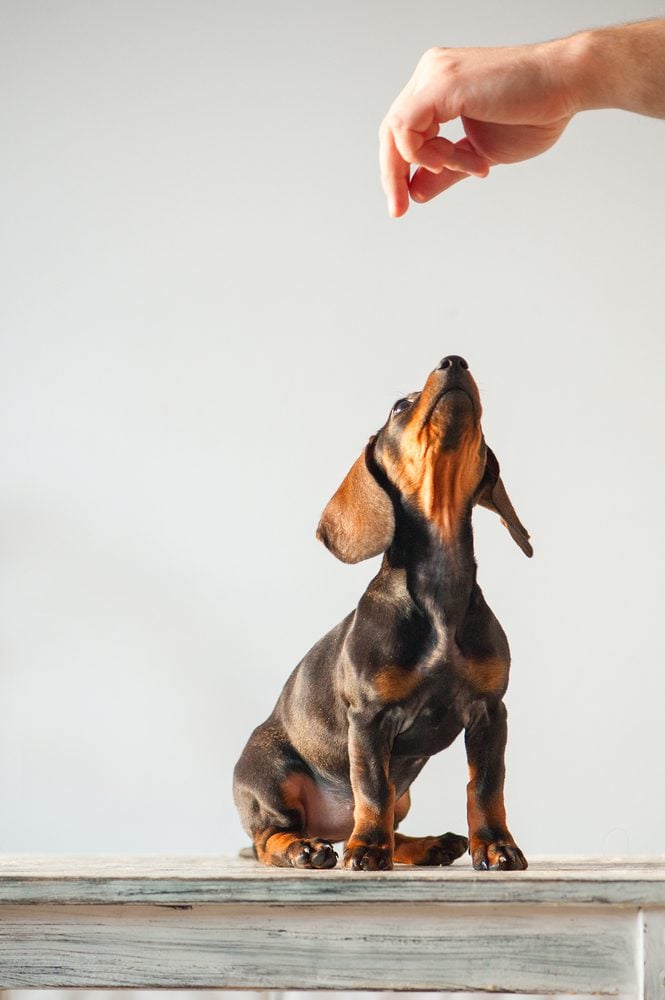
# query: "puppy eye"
[[401, 404]]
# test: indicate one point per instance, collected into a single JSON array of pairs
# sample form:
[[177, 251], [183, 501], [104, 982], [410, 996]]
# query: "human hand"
[[513, 103]]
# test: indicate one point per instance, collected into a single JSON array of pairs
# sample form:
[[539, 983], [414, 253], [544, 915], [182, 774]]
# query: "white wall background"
[[205, 310]]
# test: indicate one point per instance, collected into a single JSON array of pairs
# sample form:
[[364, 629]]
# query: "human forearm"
[[618, 67]]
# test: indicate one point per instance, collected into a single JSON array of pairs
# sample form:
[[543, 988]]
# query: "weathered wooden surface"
[[189, 880], [407, 947], [654, 953], [564, 926]]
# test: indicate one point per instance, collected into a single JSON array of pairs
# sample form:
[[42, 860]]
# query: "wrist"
[[583, 71], [617, 67]]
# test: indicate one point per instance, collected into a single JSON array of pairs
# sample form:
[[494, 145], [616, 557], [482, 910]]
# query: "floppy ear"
[[492, 494], [359, 521]]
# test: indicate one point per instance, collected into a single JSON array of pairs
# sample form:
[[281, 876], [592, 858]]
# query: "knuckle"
[[392, 122], [431, 54], [440, 61], [435, 55]]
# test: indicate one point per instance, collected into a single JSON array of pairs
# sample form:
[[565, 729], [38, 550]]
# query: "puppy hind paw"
[[446, 849], [312, 854], [430, 851]]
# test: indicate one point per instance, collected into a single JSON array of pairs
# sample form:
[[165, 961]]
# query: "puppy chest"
[[432, 728]]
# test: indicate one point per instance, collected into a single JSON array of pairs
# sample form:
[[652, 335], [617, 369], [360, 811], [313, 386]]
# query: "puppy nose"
[[453, 361]]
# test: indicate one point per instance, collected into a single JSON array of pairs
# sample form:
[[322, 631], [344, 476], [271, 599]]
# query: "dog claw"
[[498, 857], [365, 858]]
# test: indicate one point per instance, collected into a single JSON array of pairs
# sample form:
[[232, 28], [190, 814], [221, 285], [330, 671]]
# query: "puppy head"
[[429, 455]]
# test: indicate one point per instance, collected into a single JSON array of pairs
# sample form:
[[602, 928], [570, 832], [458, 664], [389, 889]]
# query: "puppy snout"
[[453, 362]]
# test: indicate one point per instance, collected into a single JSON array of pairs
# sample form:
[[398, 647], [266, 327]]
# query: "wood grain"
[[567, 925], [653, 928], [206, 879], [351, 946]]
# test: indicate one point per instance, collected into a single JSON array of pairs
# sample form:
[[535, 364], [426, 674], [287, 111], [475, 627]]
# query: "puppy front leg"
[[371, 844], [491, 843]]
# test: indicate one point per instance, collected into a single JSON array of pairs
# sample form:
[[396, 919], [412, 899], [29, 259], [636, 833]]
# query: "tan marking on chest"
[[395, 683], [489, 676]]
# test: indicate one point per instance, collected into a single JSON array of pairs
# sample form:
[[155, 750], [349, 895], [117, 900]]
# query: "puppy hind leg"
[[268, 791], [432, 851], [282, 841], [289, 849]]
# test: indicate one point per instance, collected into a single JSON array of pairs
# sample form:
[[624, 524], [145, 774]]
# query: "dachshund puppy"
[[420, 659]]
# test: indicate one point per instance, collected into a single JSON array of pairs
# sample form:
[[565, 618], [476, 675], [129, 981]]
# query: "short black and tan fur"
[[420, 659]]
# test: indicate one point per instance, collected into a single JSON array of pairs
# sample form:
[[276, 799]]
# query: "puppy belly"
[[333, 822], [328, 809]]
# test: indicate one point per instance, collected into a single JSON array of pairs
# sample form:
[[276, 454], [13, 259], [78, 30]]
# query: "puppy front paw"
[[367, 858], [497, 855]]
